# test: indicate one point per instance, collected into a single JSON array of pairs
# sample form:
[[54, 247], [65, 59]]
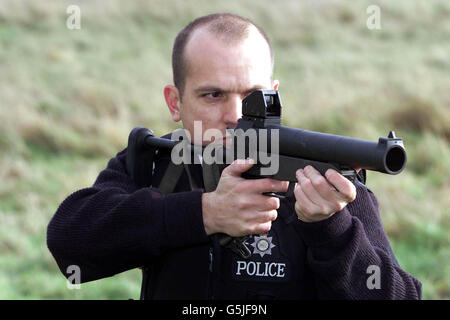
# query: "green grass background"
[[68, 99]]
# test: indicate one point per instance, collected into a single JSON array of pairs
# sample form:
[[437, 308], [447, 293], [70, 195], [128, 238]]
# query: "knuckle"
[[351, 198], [306, 183], [323, 209], [318, 180], [227, 171], [339, 206], [349, 195], [224, 172], [274, 215], [301, 181], [270, 184], [242, 203], [270, 216], [331, 174], [353, 194], [273, 203], [264, 228]]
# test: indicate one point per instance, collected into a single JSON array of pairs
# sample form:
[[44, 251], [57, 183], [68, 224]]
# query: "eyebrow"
[[213, 89]]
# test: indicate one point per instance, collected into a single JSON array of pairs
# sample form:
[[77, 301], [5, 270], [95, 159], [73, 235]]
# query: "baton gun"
[[293, 149]]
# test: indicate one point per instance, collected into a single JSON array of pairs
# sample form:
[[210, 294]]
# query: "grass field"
[[68, 99]]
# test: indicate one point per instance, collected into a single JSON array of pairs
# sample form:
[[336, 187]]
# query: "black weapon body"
[[295, 149]]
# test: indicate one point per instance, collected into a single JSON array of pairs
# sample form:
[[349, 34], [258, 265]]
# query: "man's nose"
[[233, 111]]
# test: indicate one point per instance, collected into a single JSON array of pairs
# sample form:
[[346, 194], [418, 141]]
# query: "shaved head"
[[229, 28]]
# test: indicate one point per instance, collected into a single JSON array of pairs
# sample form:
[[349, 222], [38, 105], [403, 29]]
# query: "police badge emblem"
[[262, 245]]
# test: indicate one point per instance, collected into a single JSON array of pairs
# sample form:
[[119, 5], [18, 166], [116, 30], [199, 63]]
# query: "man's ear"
[[275, 84], [172, 96]]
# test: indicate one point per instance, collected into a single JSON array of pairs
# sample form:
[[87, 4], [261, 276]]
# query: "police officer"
[[318, 245]]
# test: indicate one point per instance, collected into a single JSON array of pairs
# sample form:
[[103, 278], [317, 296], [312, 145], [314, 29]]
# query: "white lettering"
[[74, 280], [273, 159], [180, 152], [199, 310], [212, 153], [374, 20], [269, 269], [251, 263], [373, 282], [74, 20], [197, 137], [244, 145], [280, 273], [273, 264], [240, 263], [258, 264]]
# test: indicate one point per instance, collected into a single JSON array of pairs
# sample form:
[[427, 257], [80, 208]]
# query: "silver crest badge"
[[262, 245]]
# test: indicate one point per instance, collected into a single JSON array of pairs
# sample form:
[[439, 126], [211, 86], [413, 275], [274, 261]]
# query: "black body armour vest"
[[276, 269]]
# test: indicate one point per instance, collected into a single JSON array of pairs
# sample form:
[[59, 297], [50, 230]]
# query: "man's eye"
[[213, 95]]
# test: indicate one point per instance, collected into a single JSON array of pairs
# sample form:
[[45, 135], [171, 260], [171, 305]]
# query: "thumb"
[[238, 166]]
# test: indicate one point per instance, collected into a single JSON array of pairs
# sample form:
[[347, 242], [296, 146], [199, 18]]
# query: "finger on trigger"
[[267, 185]]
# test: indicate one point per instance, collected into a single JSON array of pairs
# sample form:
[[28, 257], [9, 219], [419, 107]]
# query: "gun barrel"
[[387, 155]]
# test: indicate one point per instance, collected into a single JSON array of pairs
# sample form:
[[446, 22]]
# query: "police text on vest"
[[260, 269]]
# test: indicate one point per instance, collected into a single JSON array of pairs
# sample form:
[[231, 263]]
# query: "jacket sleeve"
[[350, 255], [113, 226]]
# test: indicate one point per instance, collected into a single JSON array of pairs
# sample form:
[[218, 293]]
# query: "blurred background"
[[69, 98]]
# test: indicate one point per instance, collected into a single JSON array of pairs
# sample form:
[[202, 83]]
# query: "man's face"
[[218, 77]]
